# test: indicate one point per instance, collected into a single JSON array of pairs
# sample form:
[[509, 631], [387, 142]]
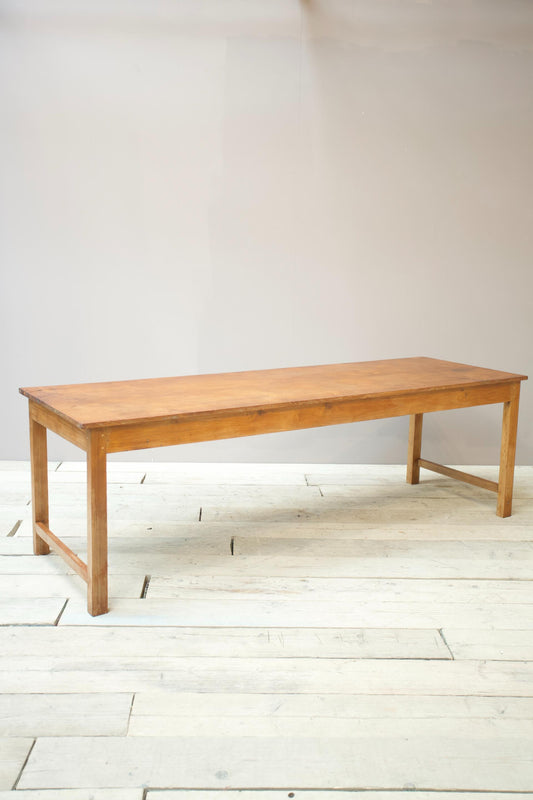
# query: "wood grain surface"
[[95, 405]]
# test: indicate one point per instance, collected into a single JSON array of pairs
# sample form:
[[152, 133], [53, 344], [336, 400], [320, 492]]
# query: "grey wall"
[[210, 185]]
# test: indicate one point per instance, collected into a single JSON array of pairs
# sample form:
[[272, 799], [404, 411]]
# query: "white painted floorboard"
[[13, 754], [330, 728], [383, 761], [268, 675], [187, 705], [318, 631], [317, 613], [31, 611], [171, 642], [310, 794], [98, 714], [479, 643], [154, 528], [21, 587], [97, 794]]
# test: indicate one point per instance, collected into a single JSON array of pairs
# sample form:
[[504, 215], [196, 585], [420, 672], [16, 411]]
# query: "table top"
[[100, 405]]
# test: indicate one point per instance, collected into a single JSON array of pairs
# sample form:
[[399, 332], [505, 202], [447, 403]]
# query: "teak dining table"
[[117, 416]]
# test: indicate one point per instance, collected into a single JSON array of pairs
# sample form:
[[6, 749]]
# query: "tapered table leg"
[[507, 453], [415, 447], [39, 483], [97, 601]]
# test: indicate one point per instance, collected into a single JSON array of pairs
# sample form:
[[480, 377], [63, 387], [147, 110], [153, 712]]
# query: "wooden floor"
[[311, 631]]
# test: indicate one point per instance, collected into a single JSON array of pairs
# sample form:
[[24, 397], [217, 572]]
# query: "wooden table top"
[[98, 405]]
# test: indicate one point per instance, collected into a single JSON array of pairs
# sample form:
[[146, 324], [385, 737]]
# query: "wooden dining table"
[[118, 416]]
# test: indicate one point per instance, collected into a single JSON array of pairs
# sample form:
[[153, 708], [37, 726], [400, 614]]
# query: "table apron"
[[57, 424], [154, 433]]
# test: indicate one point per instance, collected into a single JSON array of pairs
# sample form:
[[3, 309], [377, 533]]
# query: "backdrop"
[[216, 185]]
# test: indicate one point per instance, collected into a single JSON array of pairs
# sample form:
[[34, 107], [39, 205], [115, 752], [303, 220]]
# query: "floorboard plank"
[[83, 641], [14, 546], [374, 510], [24, 466], [321, 794], [295, 613], [331, 706], [393, 476], [192, 473], [19, 587], [21, 479], [98, 714], [153, 528], [220, 587], [329, 728], [267, 675], [478, 643], [13, 754], [452, 551], [175, 561], [88, 794], [461, 762], [30, 611]]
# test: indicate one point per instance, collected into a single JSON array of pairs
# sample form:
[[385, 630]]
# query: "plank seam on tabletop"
[[19, 776]]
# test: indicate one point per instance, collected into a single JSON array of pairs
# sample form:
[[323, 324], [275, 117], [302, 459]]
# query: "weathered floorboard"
[[97, 714], [13, 754], [325, 706], [88, 794], [480, 643], [221, 587], [380, 762], [318, 727], [309, 794], [289, 612], [65, 642], [32, 611], [268, 675], [19, 587], [140, 526]]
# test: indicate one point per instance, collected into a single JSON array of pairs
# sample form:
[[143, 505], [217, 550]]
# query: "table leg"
[[97, 602], [507, 454], [415, 447], [39, 483]]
